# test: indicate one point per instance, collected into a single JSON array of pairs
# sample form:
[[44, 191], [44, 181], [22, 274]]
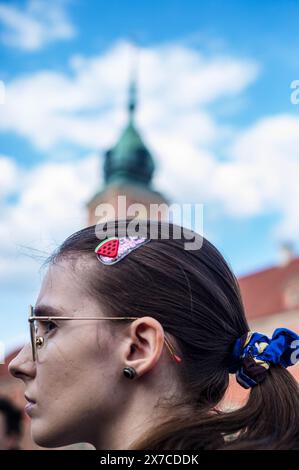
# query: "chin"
[[51, 438]]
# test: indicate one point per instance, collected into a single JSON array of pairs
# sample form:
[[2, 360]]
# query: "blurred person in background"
[[10, 425]]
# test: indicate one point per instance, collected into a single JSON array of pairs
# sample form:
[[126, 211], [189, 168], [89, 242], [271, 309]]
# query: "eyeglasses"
[[37, 341]]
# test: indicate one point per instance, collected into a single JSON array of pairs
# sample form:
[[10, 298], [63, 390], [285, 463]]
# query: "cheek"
[[79, 387], [77, 370]]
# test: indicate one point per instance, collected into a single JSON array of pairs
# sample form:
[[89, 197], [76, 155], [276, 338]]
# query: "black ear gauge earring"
[[129, 372]]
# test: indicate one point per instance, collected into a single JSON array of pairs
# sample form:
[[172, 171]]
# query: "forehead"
[[63, 286]]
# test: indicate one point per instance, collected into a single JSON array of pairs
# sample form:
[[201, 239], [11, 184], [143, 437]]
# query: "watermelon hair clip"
[[113, 249]]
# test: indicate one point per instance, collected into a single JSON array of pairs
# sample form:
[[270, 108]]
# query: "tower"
[[128, 172]]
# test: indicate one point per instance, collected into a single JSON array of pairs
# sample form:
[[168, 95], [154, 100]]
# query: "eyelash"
[[46, 324]]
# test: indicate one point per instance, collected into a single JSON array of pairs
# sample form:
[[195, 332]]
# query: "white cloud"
[[8, 176], [267, 158], [86, 106], [37, 24], [50, 205], [260, 177], [2, 92]]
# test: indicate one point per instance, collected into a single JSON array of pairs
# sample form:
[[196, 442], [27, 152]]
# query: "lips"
[[30, 407], [30, 400]]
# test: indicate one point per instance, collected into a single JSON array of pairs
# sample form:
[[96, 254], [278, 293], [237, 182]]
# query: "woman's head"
[[77, 382], [193, 294]]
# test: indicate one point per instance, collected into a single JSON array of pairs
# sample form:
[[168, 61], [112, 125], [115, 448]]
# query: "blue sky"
[[214, 107]]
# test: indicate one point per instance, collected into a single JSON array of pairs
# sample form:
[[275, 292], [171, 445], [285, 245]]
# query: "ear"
[[144, 345]]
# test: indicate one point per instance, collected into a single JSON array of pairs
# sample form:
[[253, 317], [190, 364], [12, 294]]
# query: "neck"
[[139, 413], [135, 418]]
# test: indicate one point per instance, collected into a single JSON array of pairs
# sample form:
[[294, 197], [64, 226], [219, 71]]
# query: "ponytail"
[[269, 420]]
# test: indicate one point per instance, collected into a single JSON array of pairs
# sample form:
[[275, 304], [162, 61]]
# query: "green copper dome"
[[129, 161]]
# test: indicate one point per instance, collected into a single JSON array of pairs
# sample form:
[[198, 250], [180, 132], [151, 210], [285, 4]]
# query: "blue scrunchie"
[[254, 352]]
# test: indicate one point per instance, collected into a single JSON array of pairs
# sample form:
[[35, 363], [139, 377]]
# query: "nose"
[[22, 366]]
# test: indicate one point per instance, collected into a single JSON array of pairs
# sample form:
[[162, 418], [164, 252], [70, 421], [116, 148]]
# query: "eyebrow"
[[47, 311]]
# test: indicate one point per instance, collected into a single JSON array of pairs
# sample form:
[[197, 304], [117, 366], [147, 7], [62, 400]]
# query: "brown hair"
[[196, 298]]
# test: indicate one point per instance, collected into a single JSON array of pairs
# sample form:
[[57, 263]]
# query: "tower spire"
[[129, 161], [132, 104], [132, 101]]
